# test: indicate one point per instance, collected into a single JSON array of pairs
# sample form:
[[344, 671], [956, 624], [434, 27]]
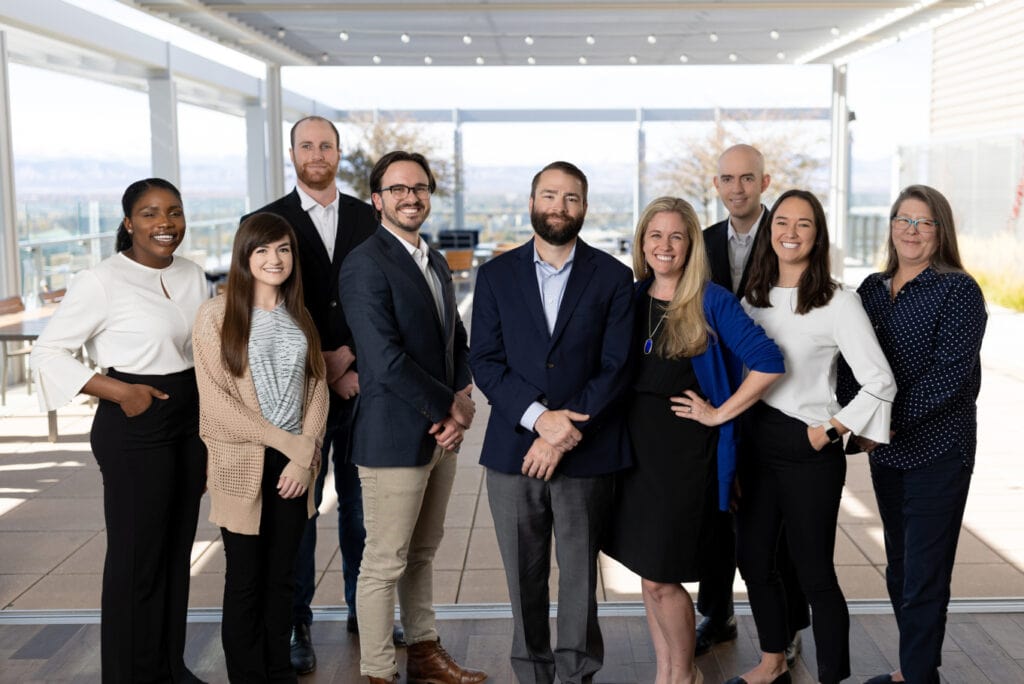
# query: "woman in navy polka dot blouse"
[[929, 317]]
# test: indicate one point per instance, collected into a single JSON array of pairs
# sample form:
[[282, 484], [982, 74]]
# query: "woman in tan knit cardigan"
[[263, 406]]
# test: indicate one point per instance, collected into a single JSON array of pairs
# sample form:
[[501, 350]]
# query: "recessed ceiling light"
[[591, 40], [733, 56], [633, 59], [324, 57], [467, 39], [405, 38], [652, 39], [528, 40], [480, 60], [376, 59], [343, 36], [582, 60], [780, 55], [773, 34], [684, 59], [281, 33], [713, 37], [428, 60], [530, 60], [834, 30]]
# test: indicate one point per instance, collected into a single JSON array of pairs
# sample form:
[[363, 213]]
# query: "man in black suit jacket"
[[328, 225], [740, 181], [409, 420]]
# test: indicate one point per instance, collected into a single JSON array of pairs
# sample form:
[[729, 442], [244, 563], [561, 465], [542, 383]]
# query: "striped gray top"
[[277, 361]]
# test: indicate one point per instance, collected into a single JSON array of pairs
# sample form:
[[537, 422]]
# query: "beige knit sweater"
[[236, 433]]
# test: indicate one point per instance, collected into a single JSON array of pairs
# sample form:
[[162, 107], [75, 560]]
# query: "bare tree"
[[375, 137], [788, 149]]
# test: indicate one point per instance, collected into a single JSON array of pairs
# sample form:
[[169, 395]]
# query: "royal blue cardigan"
[[737, 342]]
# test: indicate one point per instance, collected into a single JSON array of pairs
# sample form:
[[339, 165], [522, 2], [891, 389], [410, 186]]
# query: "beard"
[[317, 178], [554, 235]]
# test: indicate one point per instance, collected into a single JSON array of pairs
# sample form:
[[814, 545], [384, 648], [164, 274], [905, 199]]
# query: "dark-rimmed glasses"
[[400, 192]]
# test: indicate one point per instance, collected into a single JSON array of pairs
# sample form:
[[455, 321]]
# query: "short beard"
[[555, 236]]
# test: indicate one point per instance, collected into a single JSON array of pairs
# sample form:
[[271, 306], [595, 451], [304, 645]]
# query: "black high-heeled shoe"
[[784, 678]]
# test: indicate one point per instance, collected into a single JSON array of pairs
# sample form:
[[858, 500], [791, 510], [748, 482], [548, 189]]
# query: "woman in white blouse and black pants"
[[133, 313], [792, 468]]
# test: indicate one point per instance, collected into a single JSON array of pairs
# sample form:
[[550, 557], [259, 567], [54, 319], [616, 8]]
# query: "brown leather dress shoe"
[[429, 663]]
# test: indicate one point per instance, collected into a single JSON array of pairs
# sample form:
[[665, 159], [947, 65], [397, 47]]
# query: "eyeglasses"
[[400, 192], [923, 225]]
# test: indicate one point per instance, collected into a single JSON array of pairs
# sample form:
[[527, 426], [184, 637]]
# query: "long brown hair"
[[816, 285], [686, 328], [947, 253], [256, 230]]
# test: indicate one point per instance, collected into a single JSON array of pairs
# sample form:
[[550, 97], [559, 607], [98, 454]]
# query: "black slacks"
[[154, 472], [259, 585], [789, 488]]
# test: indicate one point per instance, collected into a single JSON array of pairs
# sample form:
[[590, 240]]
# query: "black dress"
[[658, 523]]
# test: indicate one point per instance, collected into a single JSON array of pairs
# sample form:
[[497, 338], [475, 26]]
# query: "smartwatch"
[[832, 434]]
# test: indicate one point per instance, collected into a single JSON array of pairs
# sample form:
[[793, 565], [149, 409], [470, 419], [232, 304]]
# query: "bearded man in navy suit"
[[552, 325]]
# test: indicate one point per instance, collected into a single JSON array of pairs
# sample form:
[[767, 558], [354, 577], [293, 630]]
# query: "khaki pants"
[[403, 510]]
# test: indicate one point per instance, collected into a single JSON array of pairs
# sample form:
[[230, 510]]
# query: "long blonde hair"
[[686, 329]]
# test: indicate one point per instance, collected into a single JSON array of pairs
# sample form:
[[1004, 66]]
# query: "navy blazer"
[[716, 244], [356, 222], [582, 366], [411, 362]]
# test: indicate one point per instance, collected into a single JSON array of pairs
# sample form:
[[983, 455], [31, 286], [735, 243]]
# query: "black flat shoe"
[[784, 678], [303, 656], [710, 633]]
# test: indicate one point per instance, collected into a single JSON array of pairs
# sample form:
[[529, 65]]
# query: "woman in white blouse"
[[133, 313], [263, 408], [792, 466]]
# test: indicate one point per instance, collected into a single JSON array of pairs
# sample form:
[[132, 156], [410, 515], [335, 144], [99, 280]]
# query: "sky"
[[113, 123]]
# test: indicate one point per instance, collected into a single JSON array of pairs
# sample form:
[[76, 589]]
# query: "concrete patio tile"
[[869, 540], [446, 586], [1002, 580], [483, 552], [54, 514], [38, 552], [861, 581], [483, 586], [461, 508], [87, 559], [11, 586], [451, 555], [847, 552], [54, 592]]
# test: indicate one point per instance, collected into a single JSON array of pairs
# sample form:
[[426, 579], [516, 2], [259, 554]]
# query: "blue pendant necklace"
[[649, 343]]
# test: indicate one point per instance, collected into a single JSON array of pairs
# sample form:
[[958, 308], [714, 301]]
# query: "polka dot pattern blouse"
[[931, 334]]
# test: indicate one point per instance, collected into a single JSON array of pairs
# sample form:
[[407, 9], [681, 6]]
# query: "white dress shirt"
[[128, 316], [324, 218]]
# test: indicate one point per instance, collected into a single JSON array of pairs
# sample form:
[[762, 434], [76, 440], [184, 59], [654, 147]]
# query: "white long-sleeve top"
[[128, 316], [811, 344]]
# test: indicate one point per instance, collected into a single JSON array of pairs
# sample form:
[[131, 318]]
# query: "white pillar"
[[839, 185], [163, 126], [255, 156], [275, 140], [10, 273]]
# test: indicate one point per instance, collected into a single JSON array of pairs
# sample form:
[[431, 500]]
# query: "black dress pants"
[[154, 472], [259, 584], [791, 489]]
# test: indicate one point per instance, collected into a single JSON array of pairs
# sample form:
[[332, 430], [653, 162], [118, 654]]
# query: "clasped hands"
[[450, 432], [558, 435]]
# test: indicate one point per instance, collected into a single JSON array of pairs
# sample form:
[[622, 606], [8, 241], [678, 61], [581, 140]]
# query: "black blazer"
[[716, 243], [356, 222], [410, 361]]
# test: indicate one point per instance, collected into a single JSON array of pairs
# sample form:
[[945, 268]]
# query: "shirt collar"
[[309, 203], [568, 262], [753, 229]]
